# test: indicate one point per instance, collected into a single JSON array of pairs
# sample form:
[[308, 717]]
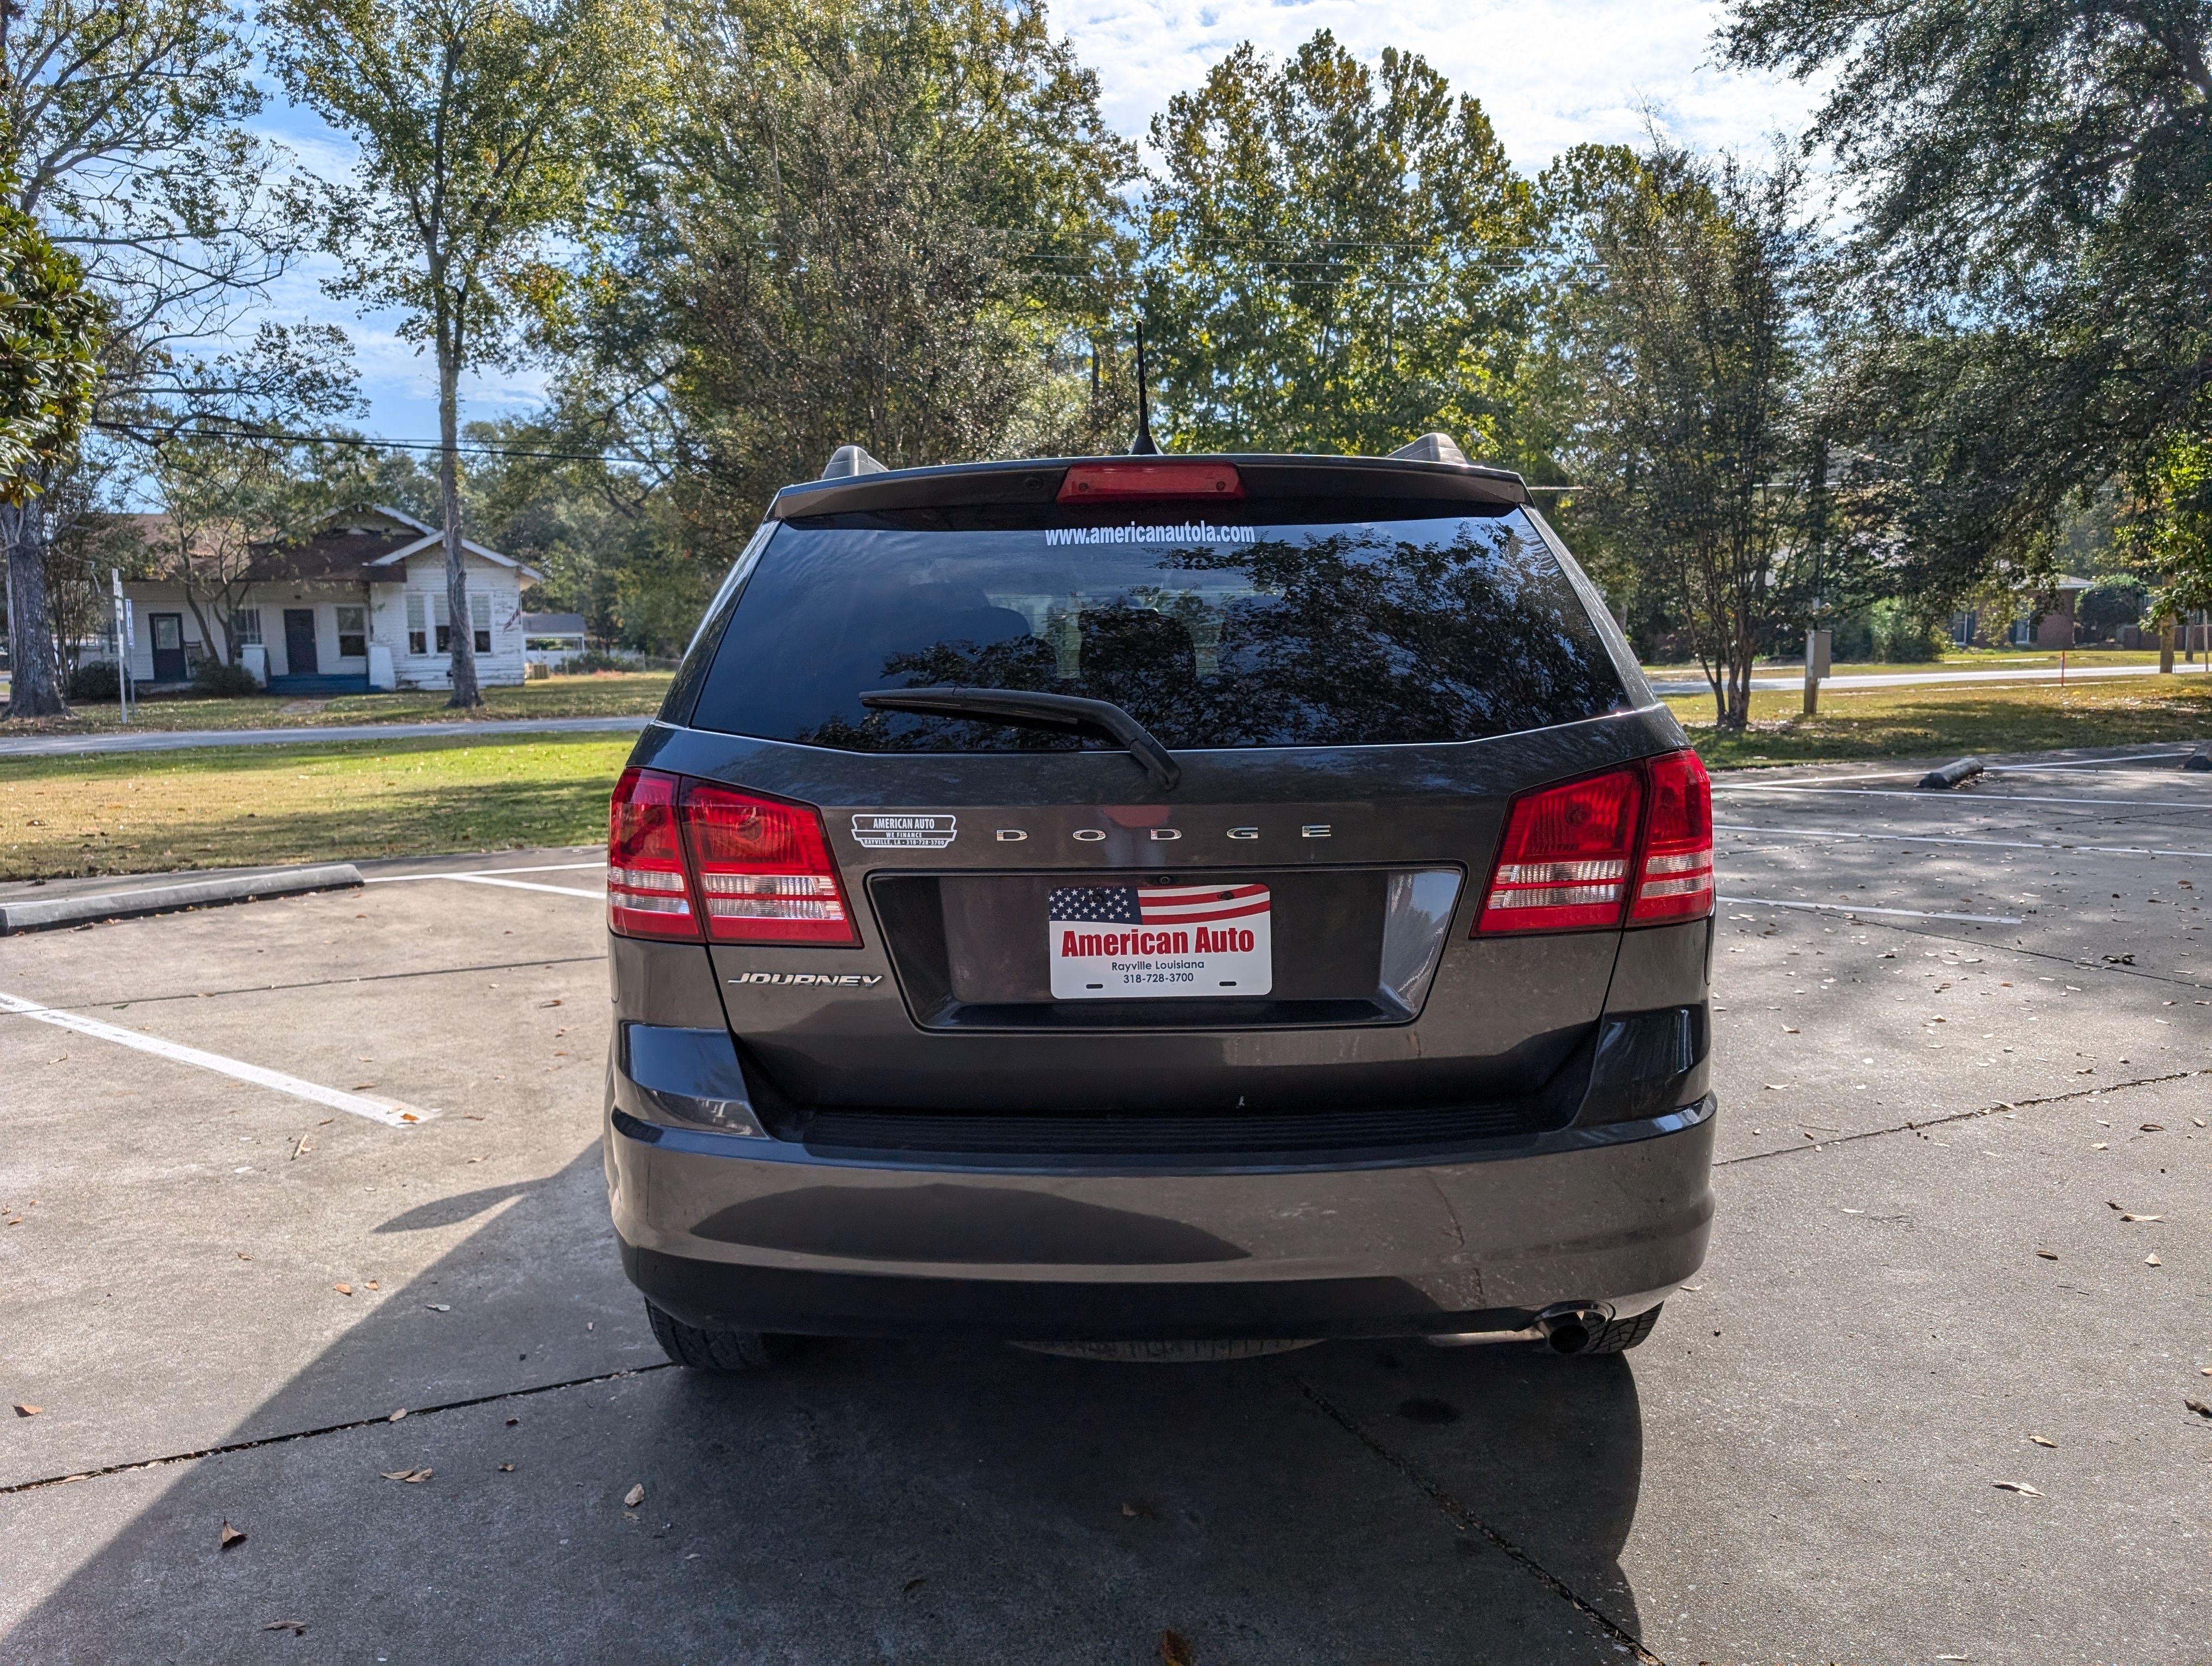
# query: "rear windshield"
[[1325, 634]]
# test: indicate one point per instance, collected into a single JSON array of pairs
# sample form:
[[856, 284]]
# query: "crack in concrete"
[[1468, 1521], [327, 1429], [1965, 1115], [334, 982]]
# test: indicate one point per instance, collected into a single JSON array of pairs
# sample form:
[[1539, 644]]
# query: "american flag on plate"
[[1135, 942]]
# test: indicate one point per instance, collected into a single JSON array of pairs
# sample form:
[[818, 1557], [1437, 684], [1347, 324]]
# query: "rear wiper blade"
[[1038, 711]]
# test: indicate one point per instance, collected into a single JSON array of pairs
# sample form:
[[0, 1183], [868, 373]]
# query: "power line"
[[204, 432]]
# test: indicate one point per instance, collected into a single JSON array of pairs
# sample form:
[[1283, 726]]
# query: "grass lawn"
[[1977, 659], [247, 806], [604, 694], [1953, 721]]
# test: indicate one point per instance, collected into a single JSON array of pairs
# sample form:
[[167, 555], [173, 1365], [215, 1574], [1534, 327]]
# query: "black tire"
[[1621, 1334], [710, 1350]]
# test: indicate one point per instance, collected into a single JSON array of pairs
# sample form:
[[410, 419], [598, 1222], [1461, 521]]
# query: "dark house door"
[[299, 641], [169, 630]]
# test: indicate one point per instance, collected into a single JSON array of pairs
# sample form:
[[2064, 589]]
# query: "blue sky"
[[1552, 73]]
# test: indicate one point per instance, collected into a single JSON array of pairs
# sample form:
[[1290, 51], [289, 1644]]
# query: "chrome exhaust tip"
[[1571, 1329]]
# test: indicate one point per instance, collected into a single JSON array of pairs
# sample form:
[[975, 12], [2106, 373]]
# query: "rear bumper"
[[733, 1232]]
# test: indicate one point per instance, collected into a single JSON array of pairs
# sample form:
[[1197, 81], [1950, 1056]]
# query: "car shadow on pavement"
[[862, 1501]]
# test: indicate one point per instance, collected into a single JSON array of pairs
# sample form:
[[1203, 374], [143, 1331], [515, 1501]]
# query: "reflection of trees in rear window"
[[1327, 635]]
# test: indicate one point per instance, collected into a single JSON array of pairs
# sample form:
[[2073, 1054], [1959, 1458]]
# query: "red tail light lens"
[[648, 894], [1674, 878], [1130, 482], [1563, 862], [764, 871]]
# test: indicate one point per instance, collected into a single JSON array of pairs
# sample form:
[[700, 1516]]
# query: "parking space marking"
[[391, 1112], [1921, 796], [493, 879], [1854, 907], [1931, 838]]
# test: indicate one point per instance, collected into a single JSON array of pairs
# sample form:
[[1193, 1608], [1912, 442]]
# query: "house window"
[[419, 632], [353, 633], [480, 620], [245, 627], [441, 616]]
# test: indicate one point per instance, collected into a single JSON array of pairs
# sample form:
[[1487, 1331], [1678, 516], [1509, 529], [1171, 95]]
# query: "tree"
[[2033, 276], [889, 222], [121, 134], [1680, 325], [51, 335], [477, 120], [1334, 257]]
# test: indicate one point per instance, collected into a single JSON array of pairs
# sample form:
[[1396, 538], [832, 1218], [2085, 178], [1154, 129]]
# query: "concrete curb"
[[47, 914]]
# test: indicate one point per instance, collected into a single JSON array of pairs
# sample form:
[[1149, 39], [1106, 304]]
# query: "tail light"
[[1564, 863], [1632, 845], [648, 894], [1132, 483], [682, 853], [1676, 881], [764, 869]]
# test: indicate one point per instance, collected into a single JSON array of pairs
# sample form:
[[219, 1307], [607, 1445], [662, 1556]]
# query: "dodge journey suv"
[[1159, 907]]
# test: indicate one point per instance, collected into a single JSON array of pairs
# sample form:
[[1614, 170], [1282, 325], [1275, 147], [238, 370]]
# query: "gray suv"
[[1159, 907]]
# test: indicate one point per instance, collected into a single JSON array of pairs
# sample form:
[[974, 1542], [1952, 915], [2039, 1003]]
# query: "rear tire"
[[1621, 1334], [710, 1350]]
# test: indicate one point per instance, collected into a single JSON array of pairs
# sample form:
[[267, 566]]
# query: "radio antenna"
[[1143, 445]]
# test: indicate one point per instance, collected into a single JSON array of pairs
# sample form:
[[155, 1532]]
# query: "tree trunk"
[[34, 688], [466, 694]]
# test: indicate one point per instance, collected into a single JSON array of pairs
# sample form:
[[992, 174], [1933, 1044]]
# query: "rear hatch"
[[1355, 669]]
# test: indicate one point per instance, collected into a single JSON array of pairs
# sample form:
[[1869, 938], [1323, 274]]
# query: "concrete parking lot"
[[1930, 1399]]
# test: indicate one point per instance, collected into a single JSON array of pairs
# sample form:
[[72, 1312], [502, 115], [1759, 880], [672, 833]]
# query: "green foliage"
[[1678, 340], [2169, 523], [2110, 603], [1333, 257], [51, 334], [95, 682], [221, 677], [886, 222], [2032, 284], [1900, 636]]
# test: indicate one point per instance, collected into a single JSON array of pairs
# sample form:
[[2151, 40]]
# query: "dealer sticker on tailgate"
[[1125, 942]]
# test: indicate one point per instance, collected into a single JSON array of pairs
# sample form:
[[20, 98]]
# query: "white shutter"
[[479, 611], [418, 629]]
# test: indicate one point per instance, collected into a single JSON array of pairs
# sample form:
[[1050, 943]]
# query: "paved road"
[[1979, 1021], [1915, 678], [171, 740]]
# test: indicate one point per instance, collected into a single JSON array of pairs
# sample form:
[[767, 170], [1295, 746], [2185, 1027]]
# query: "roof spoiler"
[[1433, 448], [849, 460]]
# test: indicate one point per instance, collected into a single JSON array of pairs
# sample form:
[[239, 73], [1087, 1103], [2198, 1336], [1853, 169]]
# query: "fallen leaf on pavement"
[[438, 1307], [397, 1415], [2198, 1407], [2109, 1204], [411, 1476], [2019, 1486], [1141, 1511], [506, 1468], [2040, 1441], [2101, 1145], [231, 1536], [2142, 1217], [22, 1410], [634, 1496], [912, 1585], [343, 1289], [297, 1627], [2152, 1128], [371, 1284], [2048, 1254], [1176, 1651], [2152, 1260]]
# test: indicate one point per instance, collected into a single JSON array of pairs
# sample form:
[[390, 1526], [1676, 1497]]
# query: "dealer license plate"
[[1133, 942]]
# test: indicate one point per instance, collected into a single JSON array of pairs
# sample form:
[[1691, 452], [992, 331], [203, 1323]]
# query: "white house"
[[360, 604]]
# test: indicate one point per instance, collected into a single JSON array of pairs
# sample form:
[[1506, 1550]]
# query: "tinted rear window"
[[1324, 634]]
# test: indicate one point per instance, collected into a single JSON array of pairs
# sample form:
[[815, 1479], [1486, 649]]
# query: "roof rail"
[[1433, 448], [849, 460]]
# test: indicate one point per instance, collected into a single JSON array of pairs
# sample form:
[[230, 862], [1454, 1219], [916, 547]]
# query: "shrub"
[[221, 677], [1901, 638], [595, 659], [2108, 604], [94, 682]]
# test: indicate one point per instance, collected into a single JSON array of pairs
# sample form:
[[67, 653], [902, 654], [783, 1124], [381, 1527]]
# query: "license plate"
[[1135, 942]]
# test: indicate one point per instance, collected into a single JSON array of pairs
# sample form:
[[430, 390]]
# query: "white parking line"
[[1989, 799], [1931, 839], [391, 1112], [494, 879], [1850, 907]]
